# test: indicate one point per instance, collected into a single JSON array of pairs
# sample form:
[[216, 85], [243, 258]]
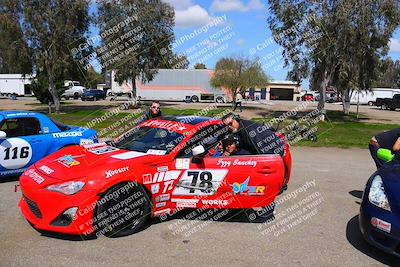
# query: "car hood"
[[97, 161]]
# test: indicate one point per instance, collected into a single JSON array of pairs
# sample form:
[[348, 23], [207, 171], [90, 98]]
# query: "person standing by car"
[[389, 140], [256, 138], [238, 101]]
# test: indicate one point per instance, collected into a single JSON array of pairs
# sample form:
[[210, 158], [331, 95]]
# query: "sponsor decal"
[[147, 178], [186, 200], [83, 141], [66, 134], [69, 161], [218, 202], [46, 130], [163, 197], [186, 205], [155, 188], [161, 204], [169, 125], [162, 212], [89, 146], [103, 150], [161, 177], [31, 173], [182, 164], [128, 155], [156, 152], [237, 162], [162, 169], [11, 172], [46, 169], [381, 224], [200, 182], [245, 189], [111, 173], [15, 153]]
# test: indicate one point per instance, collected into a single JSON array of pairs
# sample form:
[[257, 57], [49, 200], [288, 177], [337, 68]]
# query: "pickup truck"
[[389, 103]]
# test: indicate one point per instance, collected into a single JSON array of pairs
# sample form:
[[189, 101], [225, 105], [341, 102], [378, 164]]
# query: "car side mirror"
[[198, 153], [3, 135], [385, 155]]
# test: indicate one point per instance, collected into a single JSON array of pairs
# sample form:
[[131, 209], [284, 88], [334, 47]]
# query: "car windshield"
[[149, 140]]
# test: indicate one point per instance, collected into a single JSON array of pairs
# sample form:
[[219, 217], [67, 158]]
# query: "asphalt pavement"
[[315, 224]]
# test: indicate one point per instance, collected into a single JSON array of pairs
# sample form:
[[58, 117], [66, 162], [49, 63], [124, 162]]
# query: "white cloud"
[[235, 5], [191, 17], [394, 45], [180, 4]]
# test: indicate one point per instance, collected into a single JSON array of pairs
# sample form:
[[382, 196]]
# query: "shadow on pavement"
[[356, 193], [355, 238]]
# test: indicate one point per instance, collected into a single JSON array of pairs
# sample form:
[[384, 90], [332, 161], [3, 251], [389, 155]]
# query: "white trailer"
[[15, 84], [369, 97], [172, 85]]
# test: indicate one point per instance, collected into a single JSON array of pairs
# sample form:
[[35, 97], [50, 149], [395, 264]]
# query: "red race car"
[[157, 168]]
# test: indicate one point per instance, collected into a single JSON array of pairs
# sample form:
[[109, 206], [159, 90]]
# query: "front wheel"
[[312, 137], [370, 103], [195, 99], [122, 211]]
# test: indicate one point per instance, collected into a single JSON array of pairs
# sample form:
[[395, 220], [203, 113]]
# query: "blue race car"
[[26, 137], [380, 207]]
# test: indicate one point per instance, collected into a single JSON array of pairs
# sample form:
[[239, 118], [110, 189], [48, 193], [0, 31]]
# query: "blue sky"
[[243, 31]]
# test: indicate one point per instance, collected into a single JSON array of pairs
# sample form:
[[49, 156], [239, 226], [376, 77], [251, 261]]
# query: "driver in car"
[[232, 147]]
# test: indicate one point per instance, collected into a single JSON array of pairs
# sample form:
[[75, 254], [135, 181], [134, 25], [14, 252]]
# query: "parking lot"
[[326, 186]]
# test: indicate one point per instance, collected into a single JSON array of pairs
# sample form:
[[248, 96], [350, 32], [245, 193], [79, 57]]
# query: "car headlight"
[[68, 188], [377, 195]]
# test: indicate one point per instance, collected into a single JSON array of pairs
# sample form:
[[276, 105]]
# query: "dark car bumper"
[[386, 240]]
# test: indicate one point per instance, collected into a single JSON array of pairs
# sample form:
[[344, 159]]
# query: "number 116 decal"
[[199, 182]]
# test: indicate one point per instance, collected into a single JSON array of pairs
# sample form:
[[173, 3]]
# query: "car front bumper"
[[386, 240], [43, 209]]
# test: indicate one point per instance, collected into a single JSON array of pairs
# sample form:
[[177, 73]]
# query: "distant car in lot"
[[26, 137], [93, 94], [307, 97], [389, 103], [380, 211], [74, 92]]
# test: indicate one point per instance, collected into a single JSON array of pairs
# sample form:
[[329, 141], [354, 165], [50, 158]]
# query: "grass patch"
[[341, 130]]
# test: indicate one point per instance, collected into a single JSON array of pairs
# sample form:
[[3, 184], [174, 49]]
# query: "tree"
[[365, 28], [388, 74], [334, 42], [174, 61], [93, 78], [200, 66], [15, 54], [237, 73], [143, 31], [50, 27]]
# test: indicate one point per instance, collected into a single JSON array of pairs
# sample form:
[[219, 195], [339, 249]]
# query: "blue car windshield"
[[149, 140]]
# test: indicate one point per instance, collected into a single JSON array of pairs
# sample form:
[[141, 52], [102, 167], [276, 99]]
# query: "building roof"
[[16, 76]]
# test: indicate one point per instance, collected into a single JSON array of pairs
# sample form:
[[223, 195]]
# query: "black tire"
[[76, 95], [220, 100], [125, 199], [66, 98], [312, 137], [392, 109], [384, 106], [195, 99], [370, 103]]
